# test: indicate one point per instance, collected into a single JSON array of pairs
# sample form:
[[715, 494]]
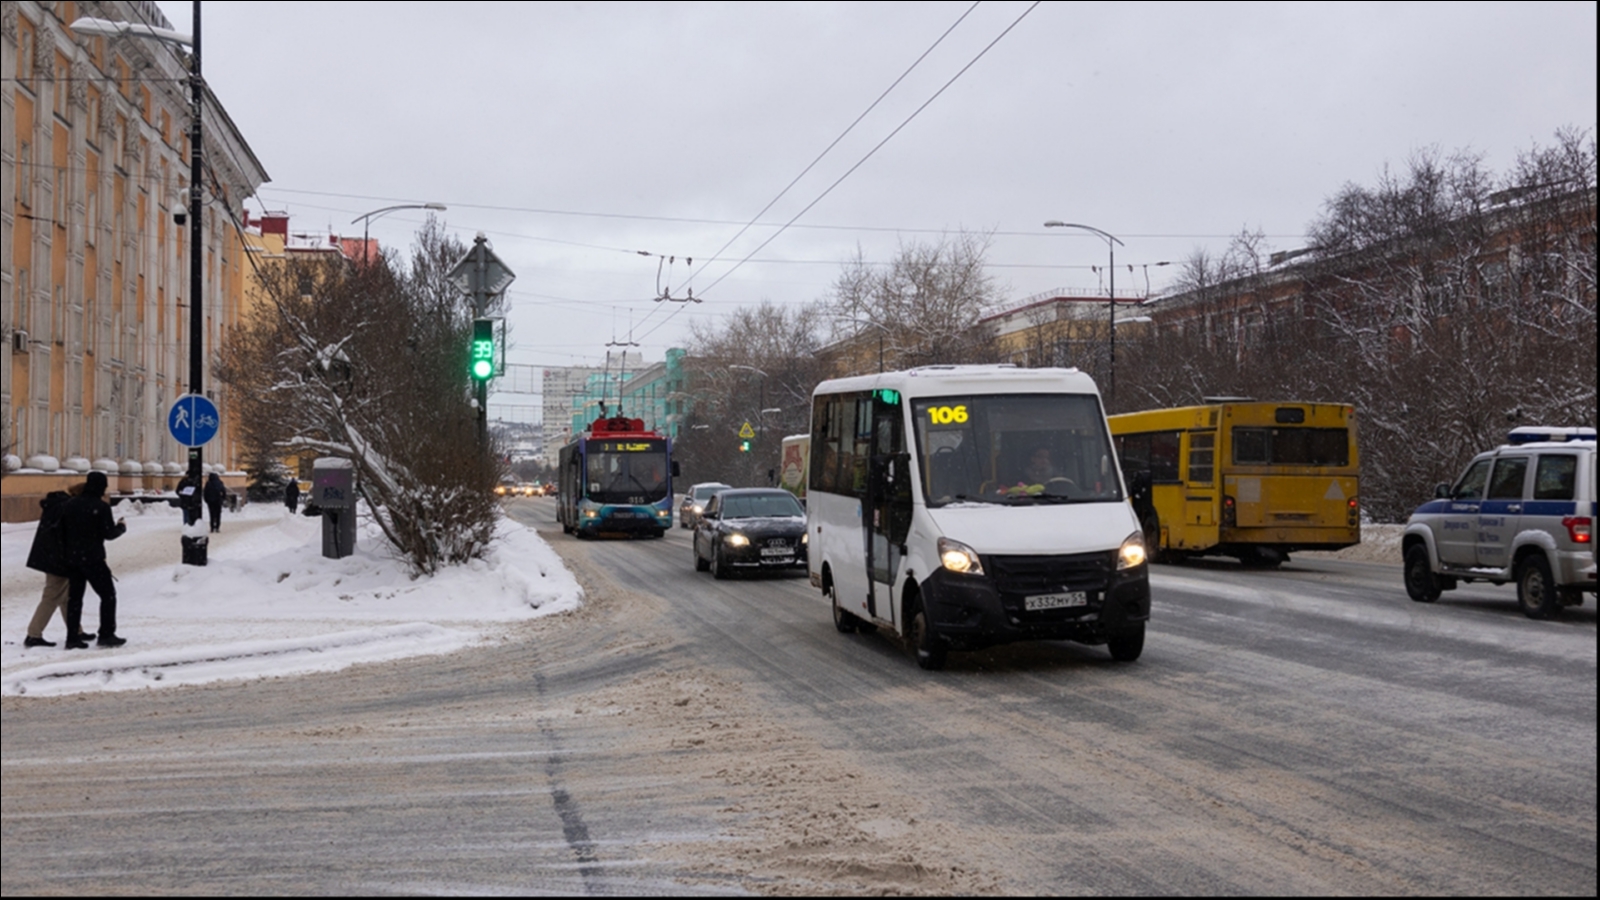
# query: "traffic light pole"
[[483, 277]]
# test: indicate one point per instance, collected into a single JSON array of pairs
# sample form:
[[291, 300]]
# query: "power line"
[[828, 149], [870, 153]]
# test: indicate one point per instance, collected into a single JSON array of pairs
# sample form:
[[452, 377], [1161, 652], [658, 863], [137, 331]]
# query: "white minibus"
[[961, 507]]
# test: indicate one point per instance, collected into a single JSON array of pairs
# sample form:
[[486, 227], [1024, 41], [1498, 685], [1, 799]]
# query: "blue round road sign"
[[193, 420]]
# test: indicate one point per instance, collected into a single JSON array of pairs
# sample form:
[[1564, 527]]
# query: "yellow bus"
[[1242, 478]]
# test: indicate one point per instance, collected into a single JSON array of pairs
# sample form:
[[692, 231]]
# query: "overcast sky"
[[574, 135]]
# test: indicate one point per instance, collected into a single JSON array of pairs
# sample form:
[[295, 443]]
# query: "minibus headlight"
[[1131, 553], [958, 557], [737, 540]]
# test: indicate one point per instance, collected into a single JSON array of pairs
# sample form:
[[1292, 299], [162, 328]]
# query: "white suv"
[[1523, 512]]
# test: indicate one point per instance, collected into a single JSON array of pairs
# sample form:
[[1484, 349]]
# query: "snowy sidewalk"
[[268, 603]]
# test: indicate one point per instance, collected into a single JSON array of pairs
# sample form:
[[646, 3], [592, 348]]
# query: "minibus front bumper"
[[1088, 600]]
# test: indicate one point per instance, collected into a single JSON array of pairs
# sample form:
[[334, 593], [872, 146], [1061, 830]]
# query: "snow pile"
[[268, 603]]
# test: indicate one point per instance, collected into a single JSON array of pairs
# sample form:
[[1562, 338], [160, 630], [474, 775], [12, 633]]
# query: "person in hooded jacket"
[[190, 497], [291, 496], [48, 555], [215, 493], [86, 525]]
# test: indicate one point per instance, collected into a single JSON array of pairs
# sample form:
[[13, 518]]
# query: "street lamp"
[[109, 28], [1111, 242], [366, 221]]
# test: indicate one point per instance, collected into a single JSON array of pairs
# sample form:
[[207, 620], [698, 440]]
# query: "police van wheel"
[[1420, 582], [931, 652], [844, 622], [1125, 646], [1536, 590]]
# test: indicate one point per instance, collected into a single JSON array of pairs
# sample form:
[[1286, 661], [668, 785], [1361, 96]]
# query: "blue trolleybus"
[[616, 478]]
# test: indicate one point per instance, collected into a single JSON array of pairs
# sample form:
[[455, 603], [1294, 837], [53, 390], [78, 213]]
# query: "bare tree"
[[1444, 303], [924, 305], [759, 366], [368, 362]]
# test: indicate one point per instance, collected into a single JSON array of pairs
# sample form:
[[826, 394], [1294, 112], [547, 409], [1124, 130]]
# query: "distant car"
[[694, 502], [750, 529], [1522, 513]]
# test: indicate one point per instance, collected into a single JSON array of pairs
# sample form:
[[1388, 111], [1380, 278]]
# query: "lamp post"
[[109, 28], [366, 221], [1111, 242]]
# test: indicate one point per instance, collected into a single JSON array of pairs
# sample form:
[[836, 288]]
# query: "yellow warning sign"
[[747, 432]]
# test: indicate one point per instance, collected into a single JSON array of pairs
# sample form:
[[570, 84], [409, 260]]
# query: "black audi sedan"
[[750, 529]]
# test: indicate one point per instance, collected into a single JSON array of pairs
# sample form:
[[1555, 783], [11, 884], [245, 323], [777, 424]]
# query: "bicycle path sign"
[[193, 420]]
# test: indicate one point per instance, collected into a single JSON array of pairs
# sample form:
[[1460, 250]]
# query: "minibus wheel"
[[931, 652], [845, 622], [1126, 645]]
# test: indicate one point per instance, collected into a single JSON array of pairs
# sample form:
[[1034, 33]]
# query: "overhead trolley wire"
[[870, 153]]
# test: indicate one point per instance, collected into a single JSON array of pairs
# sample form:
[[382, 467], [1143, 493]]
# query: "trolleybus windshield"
[[631, 472], [1014, 449]]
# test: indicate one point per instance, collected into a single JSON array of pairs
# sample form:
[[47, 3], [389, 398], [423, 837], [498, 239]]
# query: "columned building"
[[94, 267]]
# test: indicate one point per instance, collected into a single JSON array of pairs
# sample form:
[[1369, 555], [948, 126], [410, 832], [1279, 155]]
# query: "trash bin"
[[333, 486]]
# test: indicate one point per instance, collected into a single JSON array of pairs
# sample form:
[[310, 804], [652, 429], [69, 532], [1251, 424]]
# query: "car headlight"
[[1132, 552], [737, 540], [958, 557], [805, 538], [697, 509]]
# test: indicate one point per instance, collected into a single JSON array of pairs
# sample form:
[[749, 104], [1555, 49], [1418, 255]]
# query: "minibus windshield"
[[1014, 450]]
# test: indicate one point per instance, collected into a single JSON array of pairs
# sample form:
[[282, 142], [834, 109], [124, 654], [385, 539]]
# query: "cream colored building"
[[94, 272]]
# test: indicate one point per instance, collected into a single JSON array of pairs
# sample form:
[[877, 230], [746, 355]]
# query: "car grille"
[[1046, 574]]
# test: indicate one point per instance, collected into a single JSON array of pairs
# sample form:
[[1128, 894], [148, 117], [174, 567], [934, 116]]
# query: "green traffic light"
[[482, 367], [744, 446]]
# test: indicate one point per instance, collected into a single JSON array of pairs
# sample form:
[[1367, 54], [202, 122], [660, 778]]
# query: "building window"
[[63, 88], [23, 304], [25, 54]]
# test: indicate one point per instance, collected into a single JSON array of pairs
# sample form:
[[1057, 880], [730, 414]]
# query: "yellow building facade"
[[94, 270]]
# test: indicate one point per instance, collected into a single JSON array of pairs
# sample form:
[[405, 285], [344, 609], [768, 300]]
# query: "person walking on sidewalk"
[[49, 555], [215, 492], [190, 498], [291, 496], [87, 524]]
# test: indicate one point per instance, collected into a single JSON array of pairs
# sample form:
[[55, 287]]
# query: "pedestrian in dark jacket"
[[49, 555], [190, 497], [215, 492], [291, 496], [86, 525]]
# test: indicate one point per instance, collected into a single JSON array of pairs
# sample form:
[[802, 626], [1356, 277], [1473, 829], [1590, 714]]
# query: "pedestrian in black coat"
[[215, 492], [86, 525], [190, 498], [48, 554], [291, 496]]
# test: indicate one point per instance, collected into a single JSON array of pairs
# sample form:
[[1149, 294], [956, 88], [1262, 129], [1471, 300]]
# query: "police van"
[[964, 506], [1522, 513]]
